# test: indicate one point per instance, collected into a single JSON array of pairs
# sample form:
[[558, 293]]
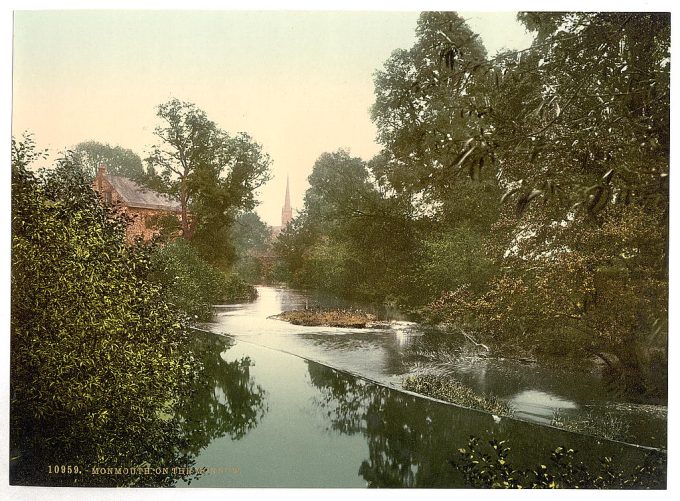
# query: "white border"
[[48, 494]]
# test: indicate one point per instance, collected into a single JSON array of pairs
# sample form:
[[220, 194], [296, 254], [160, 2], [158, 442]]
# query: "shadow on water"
[[411, 441], [226, 402]]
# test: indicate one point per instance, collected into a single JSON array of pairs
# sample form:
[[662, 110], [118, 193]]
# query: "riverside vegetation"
[[101, 360], [521, 197]]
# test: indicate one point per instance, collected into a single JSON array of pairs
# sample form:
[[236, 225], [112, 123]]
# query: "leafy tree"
[[591, 125], [99, 358], [579, 123], [213, 173], [349, 238], [119, 161], [424, 109], [251, 239]]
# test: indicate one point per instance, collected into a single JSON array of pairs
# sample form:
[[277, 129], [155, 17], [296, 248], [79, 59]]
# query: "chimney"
[[102, 170]]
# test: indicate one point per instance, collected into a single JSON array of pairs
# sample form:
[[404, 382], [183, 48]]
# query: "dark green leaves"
[[98, 356], [495, 469]]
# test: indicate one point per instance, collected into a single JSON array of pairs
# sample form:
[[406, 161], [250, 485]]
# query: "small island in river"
[[320, 317]]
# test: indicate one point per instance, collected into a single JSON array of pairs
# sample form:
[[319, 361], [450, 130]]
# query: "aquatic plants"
[[490, 467], [448, 389]]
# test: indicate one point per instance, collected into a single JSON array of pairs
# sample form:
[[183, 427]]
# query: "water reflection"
[[326, 428], [226, 402], [411, 441], [401, 438], [388, 355], [539, 406]]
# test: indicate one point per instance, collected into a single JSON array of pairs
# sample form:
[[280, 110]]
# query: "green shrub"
[[193, 285], [490, 467], [237, 290], [99, 358]]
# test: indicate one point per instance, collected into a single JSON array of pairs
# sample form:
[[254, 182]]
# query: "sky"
[[300, 83]]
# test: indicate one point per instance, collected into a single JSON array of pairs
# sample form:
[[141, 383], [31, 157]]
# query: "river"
[[293, 406]]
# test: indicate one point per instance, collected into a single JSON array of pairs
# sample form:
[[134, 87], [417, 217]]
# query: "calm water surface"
[[276, 410], [387, 356], [287, 422]]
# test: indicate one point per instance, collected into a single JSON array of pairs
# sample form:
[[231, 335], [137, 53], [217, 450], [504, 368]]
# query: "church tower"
[[286, 212]]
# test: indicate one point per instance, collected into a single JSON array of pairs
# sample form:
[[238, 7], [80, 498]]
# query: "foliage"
[[522, 196], [492, 468], [345, 238], [251, 240], [424, 109], [574, 132], [119, 161], [213, 173], [192, 284], [99, 358], [448, 389]]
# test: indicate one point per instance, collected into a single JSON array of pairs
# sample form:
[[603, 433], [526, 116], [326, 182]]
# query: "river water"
[[294, 406]]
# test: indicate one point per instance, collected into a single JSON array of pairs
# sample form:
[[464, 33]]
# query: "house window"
[[107, 197]]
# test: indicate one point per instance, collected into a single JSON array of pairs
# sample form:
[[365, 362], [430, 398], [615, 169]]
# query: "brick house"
[[145, 206]]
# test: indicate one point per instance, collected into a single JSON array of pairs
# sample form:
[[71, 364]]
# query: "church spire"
[[286, 212]]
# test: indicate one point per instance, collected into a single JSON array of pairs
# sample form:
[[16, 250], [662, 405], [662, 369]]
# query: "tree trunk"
[[184, 199]]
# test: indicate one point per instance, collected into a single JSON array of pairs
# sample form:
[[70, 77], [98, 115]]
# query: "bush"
[[194, 285], [491, 468], [99, 358]]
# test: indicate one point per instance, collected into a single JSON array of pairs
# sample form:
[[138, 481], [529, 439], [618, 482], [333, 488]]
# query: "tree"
[[424, 105], [349, 238], [251, 239], [579, 124], [119, 161], [99, 358], [589, 120], [213, 174]]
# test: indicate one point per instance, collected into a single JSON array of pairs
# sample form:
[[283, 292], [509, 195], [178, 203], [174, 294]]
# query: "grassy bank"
[[450, 390]]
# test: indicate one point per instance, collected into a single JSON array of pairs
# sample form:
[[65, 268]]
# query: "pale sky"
[[300, 83]]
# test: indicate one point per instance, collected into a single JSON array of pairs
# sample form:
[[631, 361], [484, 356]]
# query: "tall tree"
[[578, 126], [424, 98], [213, 174], [118, 160]]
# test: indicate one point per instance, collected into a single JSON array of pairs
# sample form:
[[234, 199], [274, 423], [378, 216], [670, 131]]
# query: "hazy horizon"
[[300, 83]]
